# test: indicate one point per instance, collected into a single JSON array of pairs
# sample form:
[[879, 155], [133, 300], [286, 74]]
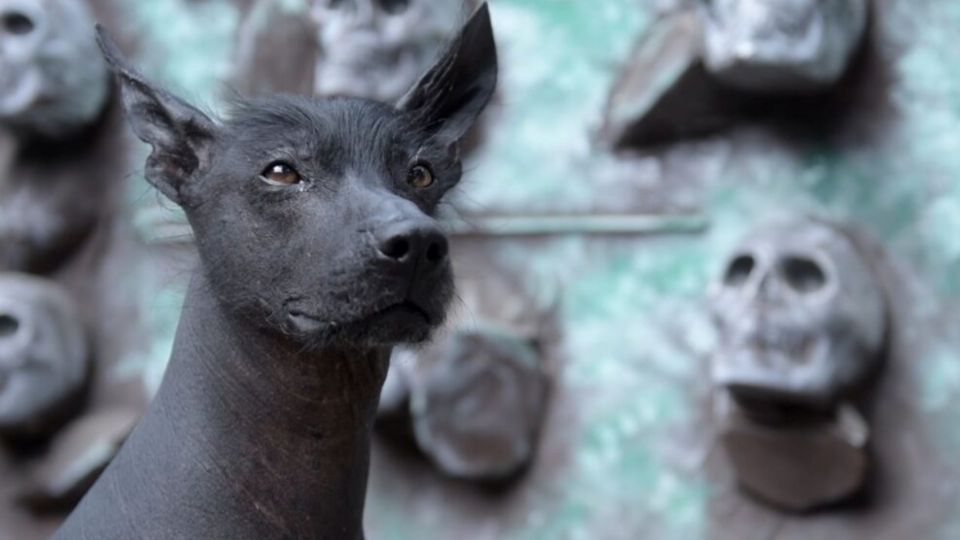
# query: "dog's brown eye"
[[420, 177], [281, 174]]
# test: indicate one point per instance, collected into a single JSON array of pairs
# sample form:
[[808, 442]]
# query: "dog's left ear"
[[453, 93], [181, 136]]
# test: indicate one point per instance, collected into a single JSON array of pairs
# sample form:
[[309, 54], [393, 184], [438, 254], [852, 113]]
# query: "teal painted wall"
[[636, 336]]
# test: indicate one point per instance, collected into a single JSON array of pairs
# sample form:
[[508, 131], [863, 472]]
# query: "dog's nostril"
[[437, 251], [396, 248]]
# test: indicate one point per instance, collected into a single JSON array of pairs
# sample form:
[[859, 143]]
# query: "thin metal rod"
[[627, 224], [174, 232]]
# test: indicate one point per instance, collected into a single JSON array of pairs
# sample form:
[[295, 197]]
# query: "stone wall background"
[[627, 452]]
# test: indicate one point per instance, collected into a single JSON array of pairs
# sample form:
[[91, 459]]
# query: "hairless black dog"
[[318, 253]]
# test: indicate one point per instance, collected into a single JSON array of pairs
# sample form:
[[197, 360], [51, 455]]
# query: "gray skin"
[[791, 46], [801, 317], [44, 356], [261, 426], [54, 91]]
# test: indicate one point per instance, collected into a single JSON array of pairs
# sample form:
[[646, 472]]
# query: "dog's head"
[[315, 217]]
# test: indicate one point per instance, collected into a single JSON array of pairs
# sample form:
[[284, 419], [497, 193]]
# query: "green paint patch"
[[161, 306], [940, 381], [637, 372], [557, 64], [185, 44], [624, 483], [294, 6]]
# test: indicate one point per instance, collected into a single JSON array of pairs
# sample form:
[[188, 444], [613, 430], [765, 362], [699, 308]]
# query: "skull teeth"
[[793, 345]]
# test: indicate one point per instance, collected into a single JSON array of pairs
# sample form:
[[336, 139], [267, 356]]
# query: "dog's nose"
[[414, 244]]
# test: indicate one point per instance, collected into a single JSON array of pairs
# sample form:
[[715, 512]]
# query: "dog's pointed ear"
[[181, 136], [452, 94]]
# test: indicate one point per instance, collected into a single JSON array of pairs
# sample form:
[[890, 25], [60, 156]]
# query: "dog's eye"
[[420, 177], [281, 174]]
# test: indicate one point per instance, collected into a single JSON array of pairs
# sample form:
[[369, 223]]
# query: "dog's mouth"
[[405, 308], [309, 323]]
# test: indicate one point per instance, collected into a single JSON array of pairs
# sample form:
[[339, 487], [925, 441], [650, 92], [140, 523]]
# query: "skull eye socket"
[[394, 7], [8, 325], [17, 23], [739, 270], [803, 274]]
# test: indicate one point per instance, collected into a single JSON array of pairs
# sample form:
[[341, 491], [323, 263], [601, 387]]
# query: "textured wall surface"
[[628, 452]]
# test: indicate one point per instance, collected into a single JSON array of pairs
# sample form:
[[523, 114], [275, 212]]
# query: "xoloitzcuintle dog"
[[318, 253]]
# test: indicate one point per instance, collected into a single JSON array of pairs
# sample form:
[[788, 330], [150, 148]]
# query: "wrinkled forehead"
[[310, 126]]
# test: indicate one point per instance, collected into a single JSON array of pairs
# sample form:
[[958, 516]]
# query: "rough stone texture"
[[664, 93], [705, 67], [791, 46], [798, 467], [44, 356], [51, 81], [478, 406], [76, 458], [624, 450], [53, 94], [267, 28], [362, 48], [800, 314], [379, 48], [63, 214]]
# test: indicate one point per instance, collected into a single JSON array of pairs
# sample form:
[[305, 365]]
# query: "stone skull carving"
[[43, 354], [800, 314], [782, 45], [478, 409], [378, 48], [52, 78]]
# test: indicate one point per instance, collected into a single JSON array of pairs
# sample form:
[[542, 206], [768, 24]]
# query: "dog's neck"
[[290, 425], [249, 436]]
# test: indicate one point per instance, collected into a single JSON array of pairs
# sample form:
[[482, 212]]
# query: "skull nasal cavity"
[[17, 23], [8, 325], [803, 274], [394, 6], [739, 270]]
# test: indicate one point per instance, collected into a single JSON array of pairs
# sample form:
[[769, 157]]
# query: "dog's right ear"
[[181, 136], [451, 95]]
